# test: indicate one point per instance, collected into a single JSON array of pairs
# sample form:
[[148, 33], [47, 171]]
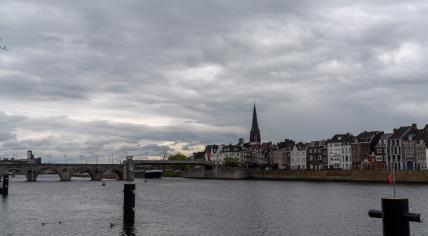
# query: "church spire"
[[255, 132]]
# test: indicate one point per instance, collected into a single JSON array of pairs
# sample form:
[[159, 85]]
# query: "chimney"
[[414, 126], [394, 130]]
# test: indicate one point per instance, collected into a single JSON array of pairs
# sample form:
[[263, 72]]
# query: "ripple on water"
[[175, 206]]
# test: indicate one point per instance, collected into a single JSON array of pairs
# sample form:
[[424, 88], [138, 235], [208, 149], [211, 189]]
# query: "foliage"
[[177, 157], [231, 161], [172, 173]]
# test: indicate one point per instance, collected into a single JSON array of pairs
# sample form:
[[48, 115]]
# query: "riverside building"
[[406, 148]]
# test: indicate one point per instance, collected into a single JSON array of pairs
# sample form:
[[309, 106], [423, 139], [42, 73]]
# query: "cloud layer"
[[139, 77]]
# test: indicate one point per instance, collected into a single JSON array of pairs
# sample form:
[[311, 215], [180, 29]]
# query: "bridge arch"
[[34, 173], [8, 170], [92, 174], [118, 172]]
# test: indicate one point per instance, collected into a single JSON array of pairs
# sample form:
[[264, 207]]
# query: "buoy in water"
[[103, 183], [145, 180]]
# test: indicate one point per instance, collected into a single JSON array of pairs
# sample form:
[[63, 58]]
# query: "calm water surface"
[[175, 206]]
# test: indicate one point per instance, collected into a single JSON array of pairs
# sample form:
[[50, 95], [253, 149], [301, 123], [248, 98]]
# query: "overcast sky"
[[133, 76]]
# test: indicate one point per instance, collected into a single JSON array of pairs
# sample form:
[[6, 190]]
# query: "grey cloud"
[[313, 67], [157, 148]]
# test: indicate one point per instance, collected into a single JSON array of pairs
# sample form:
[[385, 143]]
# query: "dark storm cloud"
[[185, 73]]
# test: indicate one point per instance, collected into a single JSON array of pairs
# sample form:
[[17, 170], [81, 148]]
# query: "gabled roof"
[[413, 134], [367, 136], [386, 136], [266, 146], [300, 146], [317, 143], [423, 135], [341, 138], [398, 133], [288, 143]]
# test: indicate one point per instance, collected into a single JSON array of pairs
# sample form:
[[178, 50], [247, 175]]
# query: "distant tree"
[[177, 157], [231, 161]]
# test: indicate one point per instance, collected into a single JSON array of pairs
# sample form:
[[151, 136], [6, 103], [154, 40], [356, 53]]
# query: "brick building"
[[363, 150], [316, 155]]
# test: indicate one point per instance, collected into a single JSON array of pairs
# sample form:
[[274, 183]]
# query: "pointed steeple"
[[255, 124], [255, 132]]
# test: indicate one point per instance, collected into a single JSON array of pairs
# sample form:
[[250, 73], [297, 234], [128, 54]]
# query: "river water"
[[176, 206]]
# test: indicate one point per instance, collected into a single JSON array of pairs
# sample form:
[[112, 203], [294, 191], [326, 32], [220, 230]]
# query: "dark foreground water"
[[175, 206]]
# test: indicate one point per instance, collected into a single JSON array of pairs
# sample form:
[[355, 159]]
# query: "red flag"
[[390, 178]]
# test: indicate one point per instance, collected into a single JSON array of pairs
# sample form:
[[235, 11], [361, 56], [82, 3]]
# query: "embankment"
[[323, 175], [217, 173], [347, 176]]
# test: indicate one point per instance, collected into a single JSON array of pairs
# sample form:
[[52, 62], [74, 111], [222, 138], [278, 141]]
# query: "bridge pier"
[[31, 175], [97, 176], [65, 176]]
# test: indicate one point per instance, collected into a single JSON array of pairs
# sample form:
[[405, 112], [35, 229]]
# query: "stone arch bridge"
[[124, 171]]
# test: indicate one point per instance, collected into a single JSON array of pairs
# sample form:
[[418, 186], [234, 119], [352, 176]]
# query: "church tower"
[[255, 132]]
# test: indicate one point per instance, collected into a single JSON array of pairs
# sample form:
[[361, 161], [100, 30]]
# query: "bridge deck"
[[173, 162]]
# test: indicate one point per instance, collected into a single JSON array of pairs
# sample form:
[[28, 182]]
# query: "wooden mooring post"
[[395, 216], [129, 204], [4, 190]]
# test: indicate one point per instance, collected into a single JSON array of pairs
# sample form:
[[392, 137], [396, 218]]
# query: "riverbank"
[[342, 176], [216, 172], [420, 177]]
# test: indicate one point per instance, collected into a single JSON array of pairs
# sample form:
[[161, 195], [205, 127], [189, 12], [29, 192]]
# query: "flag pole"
[[393, 179]]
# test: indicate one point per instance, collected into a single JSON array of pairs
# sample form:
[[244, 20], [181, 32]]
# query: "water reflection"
[[175, 206], [128, 229]]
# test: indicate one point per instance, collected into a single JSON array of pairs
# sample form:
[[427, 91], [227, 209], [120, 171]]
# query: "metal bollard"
[[129, 204], [5, 189], [395, 216]]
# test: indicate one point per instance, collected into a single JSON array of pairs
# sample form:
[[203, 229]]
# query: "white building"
[[346, 159], [218, 153], [213, 153], [339, 151], [298, 157], [233, 152]]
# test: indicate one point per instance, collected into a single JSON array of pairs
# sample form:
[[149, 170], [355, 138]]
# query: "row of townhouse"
[[406, 148]]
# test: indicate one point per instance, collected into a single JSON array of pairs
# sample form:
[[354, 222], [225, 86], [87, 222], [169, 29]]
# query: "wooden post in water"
[[129, 204], [5, 189], [395, 216]]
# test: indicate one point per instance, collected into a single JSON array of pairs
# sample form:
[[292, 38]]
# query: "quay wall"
[[337, 175], [217, 173], [306, 175]]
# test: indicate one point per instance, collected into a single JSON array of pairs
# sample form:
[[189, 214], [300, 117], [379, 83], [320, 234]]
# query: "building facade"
[[364, 150], [316, 155], [338, 147], [298, 157], [394, 153]]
